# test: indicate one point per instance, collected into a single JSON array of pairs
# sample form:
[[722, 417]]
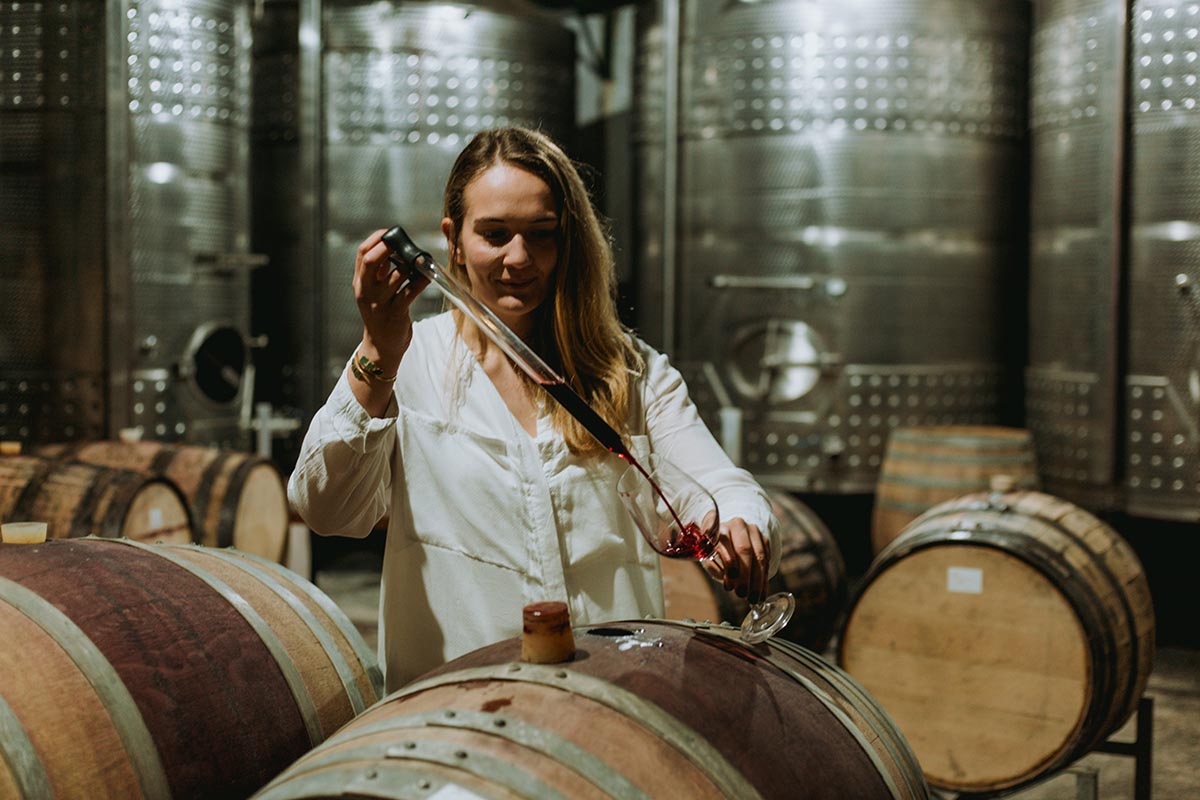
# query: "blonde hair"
[[577, 330]]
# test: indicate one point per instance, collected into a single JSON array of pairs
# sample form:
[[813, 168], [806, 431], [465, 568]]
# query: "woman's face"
[[508, 242]]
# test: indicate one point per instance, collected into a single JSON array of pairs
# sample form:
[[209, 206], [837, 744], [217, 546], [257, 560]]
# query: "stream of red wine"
[[604, 433]]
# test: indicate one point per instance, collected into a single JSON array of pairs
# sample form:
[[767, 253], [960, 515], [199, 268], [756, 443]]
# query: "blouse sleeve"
[[342, 479], [678, 434]]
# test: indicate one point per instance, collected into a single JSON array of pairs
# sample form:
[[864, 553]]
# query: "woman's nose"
[[517, 252]]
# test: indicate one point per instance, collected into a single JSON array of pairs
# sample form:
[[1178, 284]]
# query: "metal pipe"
[[1118, 329], [119, 280], [671, 48], [312, 197], [729, 415]]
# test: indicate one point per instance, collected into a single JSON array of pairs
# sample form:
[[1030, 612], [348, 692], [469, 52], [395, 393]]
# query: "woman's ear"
[[451, 239]]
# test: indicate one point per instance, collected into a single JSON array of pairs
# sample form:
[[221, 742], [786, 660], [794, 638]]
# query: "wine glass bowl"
[[680, 519], [675, 514]]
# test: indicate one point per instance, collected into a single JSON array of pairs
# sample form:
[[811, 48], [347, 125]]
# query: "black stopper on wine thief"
[[404, 252]]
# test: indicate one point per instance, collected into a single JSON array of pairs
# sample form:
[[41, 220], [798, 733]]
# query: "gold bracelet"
[[367, 370]]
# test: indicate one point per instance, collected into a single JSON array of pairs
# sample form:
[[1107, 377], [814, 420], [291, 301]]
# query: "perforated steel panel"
[[1162, 389], [46, 405], [848, 198]]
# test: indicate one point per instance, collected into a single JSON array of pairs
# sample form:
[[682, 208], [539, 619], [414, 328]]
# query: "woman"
[[496, 496]]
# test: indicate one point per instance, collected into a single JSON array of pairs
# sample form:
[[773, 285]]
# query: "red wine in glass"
[[684, 498], [690, 543]]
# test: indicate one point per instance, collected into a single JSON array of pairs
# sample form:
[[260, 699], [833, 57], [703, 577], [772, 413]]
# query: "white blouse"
[[483, 517]]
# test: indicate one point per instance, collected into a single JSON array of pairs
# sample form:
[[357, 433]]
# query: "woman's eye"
[[496, 237], [543, 235]]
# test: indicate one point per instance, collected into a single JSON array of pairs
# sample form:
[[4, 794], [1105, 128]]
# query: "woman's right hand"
[[387, 322], [383, 305]]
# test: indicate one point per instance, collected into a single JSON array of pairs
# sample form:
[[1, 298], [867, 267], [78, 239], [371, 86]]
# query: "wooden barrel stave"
[[104, 707], [306, 599], [641, 698], [547, 738], [194, 748], [343, 632], [1091, 646], [813, 570], [384, 778], [327, 676], [639, 747], [73, 721], [561, 722], [865, 713], [86, 500], [206, 673], [494, 754]]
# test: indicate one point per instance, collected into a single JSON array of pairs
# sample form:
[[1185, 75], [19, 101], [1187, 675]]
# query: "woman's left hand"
[[746, 556]]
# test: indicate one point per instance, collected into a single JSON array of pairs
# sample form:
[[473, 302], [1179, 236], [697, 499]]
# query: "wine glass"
[[680, 519]]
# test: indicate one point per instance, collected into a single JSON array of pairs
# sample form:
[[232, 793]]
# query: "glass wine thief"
[[408, 257]]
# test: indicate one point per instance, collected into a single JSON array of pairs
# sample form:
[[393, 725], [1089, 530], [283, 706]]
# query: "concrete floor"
[[352, 580]]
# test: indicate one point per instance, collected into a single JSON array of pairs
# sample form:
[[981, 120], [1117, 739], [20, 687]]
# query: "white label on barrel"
[[966, 580], [156, 518], [452, 791]]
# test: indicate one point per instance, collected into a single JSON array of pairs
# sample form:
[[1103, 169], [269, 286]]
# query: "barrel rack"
[[1141, 749]]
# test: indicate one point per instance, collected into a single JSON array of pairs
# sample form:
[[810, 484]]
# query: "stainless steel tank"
[[52, 256], [385, 95], [844, 227], [1077, 100], [123, 179], [1162, 387], [1113, 387]]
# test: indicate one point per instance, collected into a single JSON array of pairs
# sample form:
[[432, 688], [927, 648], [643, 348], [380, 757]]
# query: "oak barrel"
[[810, 567], [86, 500], [651, 708], [236, 499], [166, 671], [1007, 633], [924, 466]]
